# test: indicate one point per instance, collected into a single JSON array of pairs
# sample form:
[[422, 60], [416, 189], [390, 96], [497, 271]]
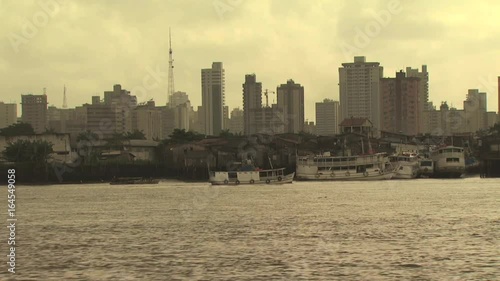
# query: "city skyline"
[[129, 48]]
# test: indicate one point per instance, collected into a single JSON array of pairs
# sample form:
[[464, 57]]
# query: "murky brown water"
[[393, 230]]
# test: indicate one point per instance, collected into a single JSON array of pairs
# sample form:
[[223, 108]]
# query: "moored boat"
[[344, 168], [132, 180], [449, 162], [406, 165], [271, 176], [425, 167]]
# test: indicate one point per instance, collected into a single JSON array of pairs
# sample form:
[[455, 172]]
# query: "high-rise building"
[[291, 102], [252, 102], [475, 107], [359, 90], [179, 98], [8, 114], [225, 117], [182, 116], [236, 121], [423, 85], [327, 117], [34, 111], [120, 97], [399, 104], [212, 95], [270, 120], [147, 119]]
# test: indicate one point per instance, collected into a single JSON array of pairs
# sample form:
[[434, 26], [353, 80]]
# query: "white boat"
[[272, 176], [449, 162], [425, 167], [342, 168], [406, 165]]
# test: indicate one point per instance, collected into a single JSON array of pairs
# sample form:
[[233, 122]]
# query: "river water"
[[425, 229]]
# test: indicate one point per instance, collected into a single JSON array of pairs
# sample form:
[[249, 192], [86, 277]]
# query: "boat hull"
[[271, 181], [344, 177]]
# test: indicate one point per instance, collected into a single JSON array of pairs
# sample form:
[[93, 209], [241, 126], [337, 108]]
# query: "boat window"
[[369, 166], [426, 163], [232, 175], [452, 160], [360, 169]]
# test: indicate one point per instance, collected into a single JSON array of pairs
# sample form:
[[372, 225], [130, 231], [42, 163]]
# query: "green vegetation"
[[17, 129], [36, 151]]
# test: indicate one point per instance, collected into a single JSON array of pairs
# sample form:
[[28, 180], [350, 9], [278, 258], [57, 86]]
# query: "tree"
[[37, 151], [181, 136], [135, 135], [17, 129], [226, 134], [87, 136]]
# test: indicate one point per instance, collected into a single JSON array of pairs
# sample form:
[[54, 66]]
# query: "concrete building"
[[236, 122], [179, 98], [309, 128], [327, 118], [361, 126], [167, 120], [359, 90], [475, 107], [182, 116], [291, 102], [399, 104], [423, 85], [270, 120], [252, 102], [120, 97], [212, 95], [8, 114], [445, 121], [34, 111], [225, 117], [147, 119]]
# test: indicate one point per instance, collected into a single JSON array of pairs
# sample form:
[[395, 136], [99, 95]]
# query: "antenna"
[[170, 70], [45, 91], [65, 104]]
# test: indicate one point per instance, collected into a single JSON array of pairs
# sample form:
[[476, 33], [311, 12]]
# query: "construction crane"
[[266, 93]]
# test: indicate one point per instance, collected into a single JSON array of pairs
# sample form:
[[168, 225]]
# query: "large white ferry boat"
[[406, 165], [449, 162], [248, 174], [335, 168]]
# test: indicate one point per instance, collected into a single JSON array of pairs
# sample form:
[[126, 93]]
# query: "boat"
[[248, 174], [449, 162], [344, 168], [425, 168], [131, 180], [406, 164]]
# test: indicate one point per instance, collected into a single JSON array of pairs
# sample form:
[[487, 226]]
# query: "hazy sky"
[[91, 45]]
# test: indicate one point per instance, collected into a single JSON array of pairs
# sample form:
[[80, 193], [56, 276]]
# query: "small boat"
[[344, 168], [248, 174], [130, 180], [406, 165]]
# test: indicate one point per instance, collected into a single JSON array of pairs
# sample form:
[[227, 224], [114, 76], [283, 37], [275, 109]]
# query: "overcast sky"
[[91, 45]]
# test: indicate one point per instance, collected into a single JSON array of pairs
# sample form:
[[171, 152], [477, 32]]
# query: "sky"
[[91, 45]]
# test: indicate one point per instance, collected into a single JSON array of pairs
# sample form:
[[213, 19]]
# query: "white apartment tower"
[[212, 96], [327, 117], [359, 90]]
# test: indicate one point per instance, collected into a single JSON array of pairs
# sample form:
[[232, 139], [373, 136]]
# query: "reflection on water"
[[393, 230]]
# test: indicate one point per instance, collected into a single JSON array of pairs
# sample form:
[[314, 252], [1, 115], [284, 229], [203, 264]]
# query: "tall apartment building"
[[252, 102], [8, 114], [359, 90], [182, 116], [291, 102], [327, 117], [147, 118], [399, 104], [236, 122], [179, 98], [212, 96], [270, 120], [475, 107], [34, 111], [423, 85]]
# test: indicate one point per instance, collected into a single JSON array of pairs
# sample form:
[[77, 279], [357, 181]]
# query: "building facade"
[[399, 104], [291, 102], [327, 117], [8, 114], [34, 111], [252, 102], [147, 119], [359, 90], [236, 122], [212, 96]]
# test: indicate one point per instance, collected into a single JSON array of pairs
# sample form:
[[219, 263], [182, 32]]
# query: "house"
[[357, 125]]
